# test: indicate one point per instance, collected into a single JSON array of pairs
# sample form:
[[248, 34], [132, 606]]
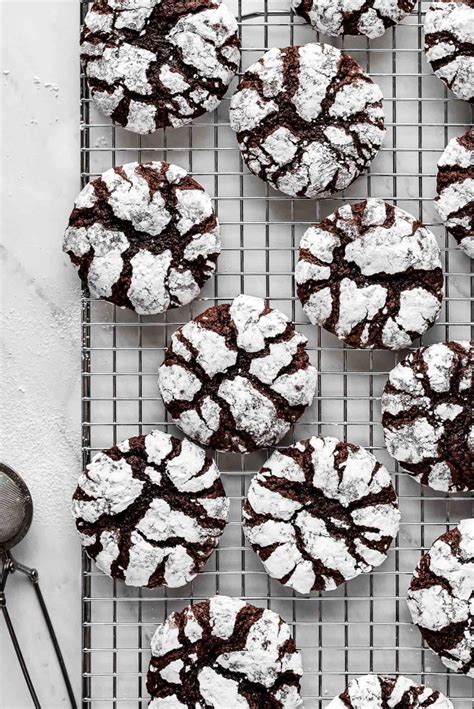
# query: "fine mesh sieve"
[[16, 508], [16, 512]]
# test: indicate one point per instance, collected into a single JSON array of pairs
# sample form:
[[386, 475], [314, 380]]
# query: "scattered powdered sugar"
[[315, 156], [441, 595], [427, 415], [449, 42], [380, 692], [140, 509], [263, 652], [289, 528], [122, 48], [359, 263], [267, 378], [165, 242]]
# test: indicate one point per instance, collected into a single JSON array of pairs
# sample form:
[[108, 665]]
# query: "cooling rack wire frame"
[[364, 626]]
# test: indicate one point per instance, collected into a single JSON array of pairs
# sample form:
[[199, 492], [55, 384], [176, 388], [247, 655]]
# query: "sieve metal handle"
[[10, 566]]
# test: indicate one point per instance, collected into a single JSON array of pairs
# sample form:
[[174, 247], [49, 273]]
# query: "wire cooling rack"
[[364, 626]]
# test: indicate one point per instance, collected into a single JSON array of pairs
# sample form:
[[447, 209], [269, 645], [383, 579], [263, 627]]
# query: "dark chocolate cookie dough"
[[308, 120], [236, 377], [370, 18], [441, 597], [371, 274], [427, 415], [144, 236], [455, 188], [158, 63], [320, 513], [226, 654], [449, 44], [151, 510], [382, 692]]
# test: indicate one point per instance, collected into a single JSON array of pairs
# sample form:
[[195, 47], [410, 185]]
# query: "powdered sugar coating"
[[455, 188], [353, 17], [236, 377], [224, 653], [441, 597], [155, 64], [151, 510], [308, 120], [384, 692], [320, 513], [427, 415], [371, 274], [449, 44], [144, 236]]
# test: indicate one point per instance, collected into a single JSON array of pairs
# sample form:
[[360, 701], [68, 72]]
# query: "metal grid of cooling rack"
[[363, 626]]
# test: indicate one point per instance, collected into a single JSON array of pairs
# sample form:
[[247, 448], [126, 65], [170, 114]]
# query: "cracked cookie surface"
[[455, 188], [156, 63], [144, 236], [320, 513], [371, 274], [150, 510], [308, 119], [449, 44], [237, 376], [224, 653], [384, 692], [370, 18], [427, 415], [441, 598]]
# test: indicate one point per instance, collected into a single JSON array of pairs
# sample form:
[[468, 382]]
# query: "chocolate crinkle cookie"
[[308, 120], [320, 513], [237, 377], [371, 274], [441, 598], [427, 415], [144, 236], [151, 510], [226, 654], [156, 63], [382, 692], [455, 188], [449, 44], [370, 18]]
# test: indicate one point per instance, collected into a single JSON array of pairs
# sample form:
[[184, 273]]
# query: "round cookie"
[[455, 188], [320, 513], [368, 18], [224, 653], [371, 274], [237, 377], [449, 44], [308, 120], [150, 510], [427, 415], [441, 598], [380, 691], [158, 63], [144, 236]]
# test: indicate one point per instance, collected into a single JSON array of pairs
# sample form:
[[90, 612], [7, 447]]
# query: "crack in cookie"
[[371, 274], [320, 513], [224, 653], [150, 510], [158, 63], [308, 119], [427, 415], [441, 598], [383, 692], [236, 377]]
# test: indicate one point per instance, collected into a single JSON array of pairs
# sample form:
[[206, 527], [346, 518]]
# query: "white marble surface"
[[40, 331]]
